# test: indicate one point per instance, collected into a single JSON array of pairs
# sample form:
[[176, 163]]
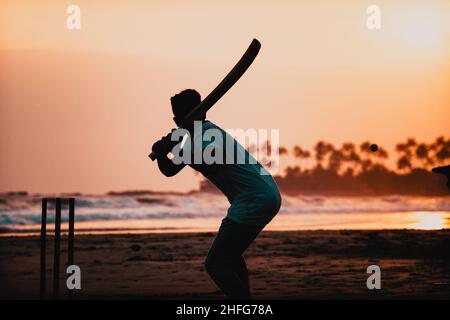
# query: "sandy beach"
[[283, 265]]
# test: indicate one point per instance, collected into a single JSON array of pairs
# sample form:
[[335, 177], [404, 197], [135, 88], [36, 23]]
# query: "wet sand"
[[283, 265]]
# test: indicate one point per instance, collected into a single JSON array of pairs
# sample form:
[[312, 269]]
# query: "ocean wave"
[[26, 209]]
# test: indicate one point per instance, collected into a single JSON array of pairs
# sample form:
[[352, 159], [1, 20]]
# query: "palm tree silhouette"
[[405, 151], [301, 154]]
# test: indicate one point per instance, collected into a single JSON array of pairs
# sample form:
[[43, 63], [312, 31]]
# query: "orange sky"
[[79, 110]]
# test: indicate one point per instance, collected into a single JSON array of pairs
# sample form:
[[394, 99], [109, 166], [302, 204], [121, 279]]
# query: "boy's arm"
[[165, 165]]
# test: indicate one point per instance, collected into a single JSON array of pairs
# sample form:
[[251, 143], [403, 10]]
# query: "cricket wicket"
[[56, 255]]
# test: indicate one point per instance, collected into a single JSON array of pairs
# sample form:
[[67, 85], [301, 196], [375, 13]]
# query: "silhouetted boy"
[[250, 189]]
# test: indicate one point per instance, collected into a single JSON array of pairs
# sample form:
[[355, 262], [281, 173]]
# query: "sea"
[[157, 212]]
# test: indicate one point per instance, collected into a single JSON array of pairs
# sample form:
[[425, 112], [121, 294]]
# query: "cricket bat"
[[230, 79]]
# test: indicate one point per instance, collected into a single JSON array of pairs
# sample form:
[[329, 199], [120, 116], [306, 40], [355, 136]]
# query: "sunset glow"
[[74, 103], [311, 162], [430, 221]]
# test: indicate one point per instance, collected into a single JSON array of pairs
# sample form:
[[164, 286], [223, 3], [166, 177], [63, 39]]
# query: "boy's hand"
[[164, 145]]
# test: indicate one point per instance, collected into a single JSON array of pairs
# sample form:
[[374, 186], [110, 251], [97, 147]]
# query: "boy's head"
[[183, 103]]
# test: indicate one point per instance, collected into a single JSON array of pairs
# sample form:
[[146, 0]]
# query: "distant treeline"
[[350, 169]]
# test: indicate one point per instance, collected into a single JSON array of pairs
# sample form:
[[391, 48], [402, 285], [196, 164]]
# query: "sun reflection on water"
[[429, 220]]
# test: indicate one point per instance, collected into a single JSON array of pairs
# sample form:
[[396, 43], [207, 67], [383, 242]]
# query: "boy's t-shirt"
[[250, 189]]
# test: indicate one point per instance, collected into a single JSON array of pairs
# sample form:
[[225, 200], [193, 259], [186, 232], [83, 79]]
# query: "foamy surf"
[[168, 212]]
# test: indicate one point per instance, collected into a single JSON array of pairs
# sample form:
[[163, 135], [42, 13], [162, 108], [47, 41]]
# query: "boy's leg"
[[225, 263], [241, 270]]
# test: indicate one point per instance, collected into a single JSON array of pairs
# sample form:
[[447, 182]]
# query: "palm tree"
[[322, 149], [441, 148], [335, 161], [404, 163], [283, 151], [423, 154], [300, 153], [405, 150], [371, 159], [350, 156], [381, 153]]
